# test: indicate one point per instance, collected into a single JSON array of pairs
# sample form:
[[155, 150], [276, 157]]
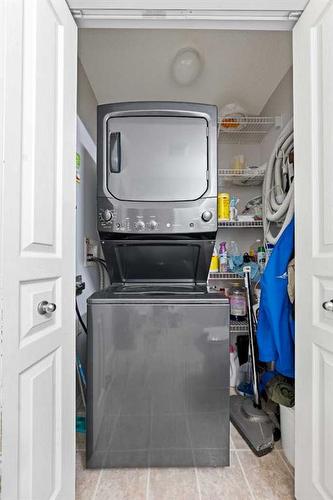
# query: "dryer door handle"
[[114, 150]]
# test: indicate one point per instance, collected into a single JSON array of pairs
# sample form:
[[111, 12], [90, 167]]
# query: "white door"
[[38, 264], [313, 100]]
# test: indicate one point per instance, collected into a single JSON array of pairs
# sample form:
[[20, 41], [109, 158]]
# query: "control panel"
[[176, 219]]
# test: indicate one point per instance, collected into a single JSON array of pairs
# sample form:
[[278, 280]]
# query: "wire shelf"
[[229, 223], [247, 129], [239, 326], [225, 276], [246, 176]]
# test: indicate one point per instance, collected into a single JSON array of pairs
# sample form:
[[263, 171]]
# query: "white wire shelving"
[[229, 223], [239, 326], [247, 129], [243, 177], [224, 276]]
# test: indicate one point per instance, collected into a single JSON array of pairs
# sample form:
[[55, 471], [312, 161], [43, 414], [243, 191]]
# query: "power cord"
[[80, 318], [100, 261]]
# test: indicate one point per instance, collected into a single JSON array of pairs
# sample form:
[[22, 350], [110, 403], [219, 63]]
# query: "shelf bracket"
[[278, 121]]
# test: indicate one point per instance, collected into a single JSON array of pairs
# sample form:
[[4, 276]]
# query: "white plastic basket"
[[287, 422]]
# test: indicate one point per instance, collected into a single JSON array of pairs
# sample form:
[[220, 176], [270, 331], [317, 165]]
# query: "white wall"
[[86, 211], [86, 189], [86, 102], [85, 196], [280, 103], [136, 64]]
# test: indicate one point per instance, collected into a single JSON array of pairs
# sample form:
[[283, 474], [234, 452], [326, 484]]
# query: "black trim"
[[157, 237]]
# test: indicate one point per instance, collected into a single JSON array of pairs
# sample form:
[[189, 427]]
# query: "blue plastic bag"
[[276, 325]]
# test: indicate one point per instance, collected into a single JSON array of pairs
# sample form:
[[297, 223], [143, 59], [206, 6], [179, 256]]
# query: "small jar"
[[237, 298]]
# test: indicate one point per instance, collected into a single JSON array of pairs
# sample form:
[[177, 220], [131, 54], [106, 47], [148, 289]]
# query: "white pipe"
[[278, 203]]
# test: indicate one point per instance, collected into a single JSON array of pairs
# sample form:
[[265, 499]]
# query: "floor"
[[248, 477]]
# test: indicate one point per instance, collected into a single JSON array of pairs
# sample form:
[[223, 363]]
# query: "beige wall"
[[281, 100], [86, 102], [85, 196], [280, 103]]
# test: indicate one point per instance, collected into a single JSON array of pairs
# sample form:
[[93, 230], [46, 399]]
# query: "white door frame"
[[270, 15], [182, 14]]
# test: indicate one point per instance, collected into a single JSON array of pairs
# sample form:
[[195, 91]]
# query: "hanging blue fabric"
[[276, 326]]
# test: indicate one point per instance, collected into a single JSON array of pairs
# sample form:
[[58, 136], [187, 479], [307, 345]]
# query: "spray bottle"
[[223, 254]]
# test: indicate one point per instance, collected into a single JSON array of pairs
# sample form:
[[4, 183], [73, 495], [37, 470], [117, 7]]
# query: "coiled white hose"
[[278, 187]]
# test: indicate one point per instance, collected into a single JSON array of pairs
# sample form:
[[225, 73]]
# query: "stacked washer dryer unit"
[[158, 342]]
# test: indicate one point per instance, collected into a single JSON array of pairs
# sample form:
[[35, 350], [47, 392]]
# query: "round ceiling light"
[[186, 66]]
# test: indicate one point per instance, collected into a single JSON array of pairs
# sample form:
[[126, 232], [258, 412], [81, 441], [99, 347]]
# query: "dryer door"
[[156, 158]]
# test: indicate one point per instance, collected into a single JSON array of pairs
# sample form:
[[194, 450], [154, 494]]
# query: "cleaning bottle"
[[252, 265], [233, 208], [214, 263], [223, 206], [261, 258], [223, 254], [253, 251], [235, 256]]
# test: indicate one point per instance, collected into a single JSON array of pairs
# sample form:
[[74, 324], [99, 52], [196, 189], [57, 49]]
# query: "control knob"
[[107, 215], [206, 215], [140, 225], [153, 224]]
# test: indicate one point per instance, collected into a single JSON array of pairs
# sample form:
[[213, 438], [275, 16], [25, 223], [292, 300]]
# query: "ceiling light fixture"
[[186, 66]]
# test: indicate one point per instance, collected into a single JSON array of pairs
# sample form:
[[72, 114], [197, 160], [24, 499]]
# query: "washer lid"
[[153, 293], [158, 260]]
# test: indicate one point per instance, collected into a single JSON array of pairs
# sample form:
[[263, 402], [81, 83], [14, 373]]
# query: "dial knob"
[[140, 225], [153, 224], [107, 215], [206, 215]]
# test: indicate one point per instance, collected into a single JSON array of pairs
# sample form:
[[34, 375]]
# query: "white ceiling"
[[130, 65]]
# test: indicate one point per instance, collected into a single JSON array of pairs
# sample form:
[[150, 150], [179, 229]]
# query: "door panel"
[[40, 428], [322, 126], [313, 106], [323, 416], [42, 127], [161, 158], [39, 253], [33, 325]]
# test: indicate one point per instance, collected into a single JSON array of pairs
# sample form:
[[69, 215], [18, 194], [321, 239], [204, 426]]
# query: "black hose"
[[101, 261], [80, 318]]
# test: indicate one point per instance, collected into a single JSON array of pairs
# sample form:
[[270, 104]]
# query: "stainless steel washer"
[[158, 372]]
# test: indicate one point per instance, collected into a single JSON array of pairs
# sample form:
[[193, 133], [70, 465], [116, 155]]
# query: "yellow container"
[[223, 206], [214, 264]]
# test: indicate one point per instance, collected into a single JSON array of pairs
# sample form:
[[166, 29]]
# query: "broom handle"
[[256, 395]]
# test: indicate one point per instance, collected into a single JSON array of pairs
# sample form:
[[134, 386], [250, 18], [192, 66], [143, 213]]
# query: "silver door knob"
[[46, 307], [328, 305]]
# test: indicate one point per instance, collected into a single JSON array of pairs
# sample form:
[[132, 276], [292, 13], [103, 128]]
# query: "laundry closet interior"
[[248, 76]]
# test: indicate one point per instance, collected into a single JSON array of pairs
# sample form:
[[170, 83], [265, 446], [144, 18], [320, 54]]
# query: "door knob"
[[46, 307], [328, 305]]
